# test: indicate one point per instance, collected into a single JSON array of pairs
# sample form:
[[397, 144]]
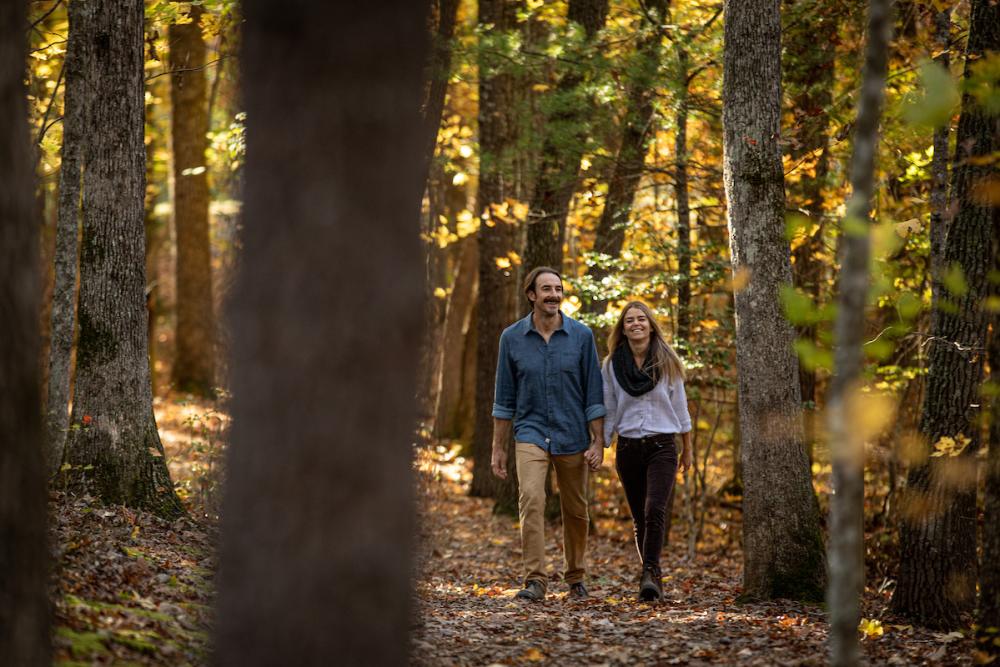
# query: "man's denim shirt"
[[551, 390]]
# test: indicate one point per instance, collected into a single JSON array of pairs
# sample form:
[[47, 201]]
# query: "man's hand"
[[687, 458], [498, 462], [594, 455]]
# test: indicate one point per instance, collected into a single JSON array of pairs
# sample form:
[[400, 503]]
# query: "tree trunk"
[[442, 29], [937, 573], [939, 168], [24, 606], [194, 362], [114, 449], [458, 320], [683, 206], [317, 534], [496, 142], [847, 447], [67, 230], [636, 131], [562, 148], [783, 550]]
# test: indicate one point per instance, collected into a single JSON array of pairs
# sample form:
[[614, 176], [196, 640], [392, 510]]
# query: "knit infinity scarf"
[[636, 382]]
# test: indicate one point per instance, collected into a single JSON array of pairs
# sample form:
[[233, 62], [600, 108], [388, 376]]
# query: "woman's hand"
[[687, 455]]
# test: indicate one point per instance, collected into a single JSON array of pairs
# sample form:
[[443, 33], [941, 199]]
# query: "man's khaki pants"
[[571, 474]]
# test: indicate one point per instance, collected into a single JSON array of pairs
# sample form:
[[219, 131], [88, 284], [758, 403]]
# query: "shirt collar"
[[531, 323]]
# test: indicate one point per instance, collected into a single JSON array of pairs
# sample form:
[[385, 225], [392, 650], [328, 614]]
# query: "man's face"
[[548, 294]]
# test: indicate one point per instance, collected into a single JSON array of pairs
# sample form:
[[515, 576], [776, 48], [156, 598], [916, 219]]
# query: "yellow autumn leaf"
[[740, 279], [871, 628], [502, 262], [533, 655], [440, 292]]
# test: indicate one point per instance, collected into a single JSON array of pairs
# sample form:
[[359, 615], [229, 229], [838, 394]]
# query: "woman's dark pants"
[[646, 467]]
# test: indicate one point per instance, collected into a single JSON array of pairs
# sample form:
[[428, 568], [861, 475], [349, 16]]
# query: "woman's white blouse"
[[663, 409]]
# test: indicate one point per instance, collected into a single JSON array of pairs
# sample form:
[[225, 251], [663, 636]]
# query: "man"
[[549, 385]]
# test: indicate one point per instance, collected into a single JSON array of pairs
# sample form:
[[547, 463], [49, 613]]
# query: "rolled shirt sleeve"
[[680, 405], [593, 383], [505, 393]]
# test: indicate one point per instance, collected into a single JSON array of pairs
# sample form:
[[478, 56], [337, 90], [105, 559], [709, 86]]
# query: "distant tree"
[[783, 552], [66, 260], [563, 143], [637, 129], [194, 362], [317, 528], [939, 165], [937, 540], [113, 449], [497, 131], [847, 503], [988, 614], [24, 609]]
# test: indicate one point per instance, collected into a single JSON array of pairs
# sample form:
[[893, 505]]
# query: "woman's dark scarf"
[[636, 382]]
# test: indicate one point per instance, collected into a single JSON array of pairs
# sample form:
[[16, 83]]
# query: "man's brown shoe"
[[532, 591], [578, 591]]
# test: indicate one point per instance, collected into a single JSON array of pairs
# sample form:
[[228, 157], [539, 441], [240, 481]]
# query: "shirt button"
[[546, 441]]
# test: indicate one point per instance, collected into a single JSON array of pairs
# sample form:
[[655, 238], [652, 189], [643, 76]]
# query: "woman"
[[647, 408]]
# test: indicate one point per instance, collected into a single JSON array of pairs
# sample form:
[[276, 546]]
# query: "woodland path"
[[469, 570]]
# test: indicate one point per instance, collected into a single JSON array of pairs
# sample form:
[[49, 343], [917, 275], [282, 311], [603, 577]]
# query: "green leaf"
[[938, 99], [954, 280], [812, 357]]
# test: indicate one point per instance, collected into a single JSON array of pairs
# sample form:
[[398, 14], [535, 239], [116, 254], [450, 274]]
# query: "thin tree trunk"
[[496, 139], [939, 168], [683, 205], [562, 149], [937, 573], [67, 230], [317, 537], [458, 319], [194, 362], [442, 30], [846, 548], [24, 607], [783, 550], [115, 451], [636, 131]]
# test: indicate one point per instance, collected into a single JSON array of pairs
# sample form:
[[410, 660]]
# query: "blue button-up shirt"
[[551, 390]]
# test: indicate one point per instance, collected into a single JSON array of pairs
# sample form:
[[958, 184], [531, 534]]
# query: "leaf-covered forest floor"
[[469, 562], [127, 587]]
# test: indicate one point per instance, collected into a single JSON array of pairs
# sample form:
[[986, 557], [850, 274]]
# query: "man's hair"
[[529, 280]]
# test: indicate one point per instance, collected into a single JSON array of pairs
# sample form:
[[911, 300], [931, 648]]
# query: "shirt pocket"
[[569, 362]]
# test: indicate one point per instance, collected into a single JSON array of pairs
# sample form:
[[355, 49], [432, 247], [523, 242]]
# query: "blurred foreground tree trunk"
[[194, 362], [24, 606], [317, 532], [113, 450], [847, 440], [783, 552], [937, 568]]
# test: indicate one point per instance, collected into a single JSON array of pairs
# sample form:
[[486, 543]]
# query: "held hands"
[[594, 455], [498, 462]]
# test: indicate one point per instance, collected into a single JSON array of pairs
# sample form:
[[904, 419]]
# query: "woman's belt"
[[652, 439]]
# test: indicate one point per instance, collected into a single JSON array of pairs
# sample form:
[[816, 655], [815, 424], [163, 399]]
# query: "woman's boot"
[[650, 586]]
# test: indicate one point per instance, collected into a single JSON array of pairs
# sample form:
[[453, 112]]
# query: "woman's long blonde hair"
[[666, 363]]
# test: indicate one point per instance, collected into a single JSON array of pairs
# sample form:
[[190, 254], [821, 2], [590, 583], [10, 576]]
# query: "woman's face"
[[637, 325]]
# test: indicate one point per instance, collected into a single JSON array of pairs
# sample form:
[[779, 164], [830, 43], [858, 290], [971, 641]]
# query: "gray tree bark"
[[629, 164], [562, 148], [24, 607], [113, 448], [66, 260], [194, 361], [496, 238], [846, 547], [318, 519], [937, 570], [783, 552]]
